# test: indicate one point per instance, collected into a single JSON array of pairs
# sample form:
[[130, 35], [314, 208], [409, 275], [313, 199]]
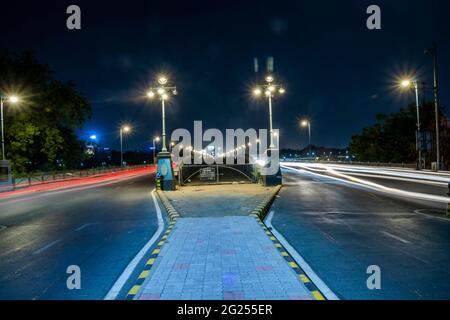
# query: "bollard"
[[448, 204], [158, 183]]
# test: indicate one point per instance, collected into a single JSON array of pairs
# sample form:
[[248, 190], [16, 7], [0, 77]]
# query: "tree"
[[41, 129], [393, 137]]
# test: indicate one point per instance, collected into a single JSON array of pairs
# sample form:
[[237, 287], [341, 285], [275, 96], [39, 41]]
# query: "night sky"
[[336, 71]]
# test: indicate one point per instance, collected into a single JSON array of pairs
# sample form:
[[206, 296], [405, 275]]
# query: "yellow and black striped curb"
[[302, 277], [171, 212], [145, 273], [263, 207]]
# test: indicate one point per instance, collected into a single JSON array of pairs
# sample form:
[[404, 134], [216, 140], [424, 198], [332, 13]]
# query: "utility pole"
[[433, 51]]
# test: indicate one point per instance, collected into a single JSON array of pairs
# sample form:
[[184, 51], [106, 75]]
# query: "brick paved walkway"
[[220, 258]]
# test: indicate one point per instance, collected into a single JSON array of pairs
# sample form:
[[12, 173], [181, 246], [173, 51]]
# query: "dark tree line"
[[40, 131], [392, 137]]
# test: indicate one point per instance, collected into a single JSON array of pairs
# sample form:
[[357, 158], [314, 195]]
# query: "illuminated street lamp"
[[306, 123], [123, 129], [408, 84], [162, 92], [270, 90], [155, 139], [10, 99], [165, 167]]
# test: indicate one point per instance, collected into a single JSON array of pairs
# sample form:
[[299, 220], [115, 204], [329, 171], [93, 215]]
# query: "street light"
[[162, 92], [306, 123], [407, 84], [155, 139], [270, 90], [12, 99], [123, 129]]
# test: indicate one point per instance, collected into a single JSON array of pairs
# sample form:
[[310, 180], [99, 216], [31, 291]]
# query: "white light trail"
[[333, 174]]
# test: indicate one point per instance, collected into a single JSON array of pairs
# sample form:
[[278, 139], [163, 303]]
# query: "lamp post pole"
[[272, 145], [309, 137], [164, 148], [433, 52], [3, 134], [419, 146], [436, 105], [154, 151], [11, 99], [155, 139], [121, 147]]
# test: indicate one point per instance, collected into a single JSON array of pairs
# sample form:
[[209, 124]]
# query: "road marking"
[[84, 226], [429, 216], [118, 285], [395, 237], [48, 246], [330, 295]]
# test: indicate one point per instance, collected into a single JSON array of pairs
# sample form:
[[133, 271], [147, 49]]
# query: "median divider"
[[171, 211]]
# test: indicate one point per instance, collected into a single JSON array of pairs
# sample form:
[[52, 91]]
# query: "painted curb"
[[301, 275], [259, 213], [262, 209], [171, 212], [145, 273]]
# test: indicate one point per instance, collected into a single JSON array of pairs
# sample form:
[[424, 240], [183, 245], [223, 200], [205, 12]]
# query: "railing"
[[24, 181], [212, 174]]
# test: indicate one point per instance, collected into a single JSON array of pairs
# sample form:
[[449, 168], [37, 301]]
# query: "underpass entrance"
[[216, 174]]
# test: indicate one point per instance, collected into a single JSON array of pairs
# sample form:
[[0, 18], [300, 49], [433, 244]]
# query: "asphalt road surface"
[[340, 229], [98, 228]]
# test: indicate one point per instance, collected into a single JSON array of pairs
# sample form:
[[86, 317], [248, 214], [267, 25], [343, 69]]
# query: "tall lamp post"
[[165, 169], [306, 123], [10, 99], [162, 92], [270, 90], [123, 129], [408, 84], [155, 139]]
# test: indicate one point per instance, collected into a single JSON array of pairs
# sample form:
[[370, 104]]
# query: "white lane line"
[[84, 226], [326, 291], [118, 285], [395, 237], [48, 246], [429, 216]]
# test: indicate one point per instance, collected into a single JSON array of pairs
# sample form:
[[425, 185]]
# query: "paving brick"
[[215, 258]]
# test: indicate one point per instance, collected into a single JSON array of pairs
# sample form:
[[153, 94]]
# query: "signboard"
[[423, 141], [208, 174], [5, 175]]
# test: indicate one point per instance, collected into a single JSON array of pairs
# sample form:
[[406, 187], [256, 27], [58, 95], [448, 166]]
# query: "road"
[[99, 228], [341, 226]]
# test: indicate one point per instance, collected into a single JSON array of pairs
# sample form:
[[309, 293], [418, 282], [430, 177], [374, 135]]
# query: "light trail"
[[333, 174], [441, 180], [77, 184]]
